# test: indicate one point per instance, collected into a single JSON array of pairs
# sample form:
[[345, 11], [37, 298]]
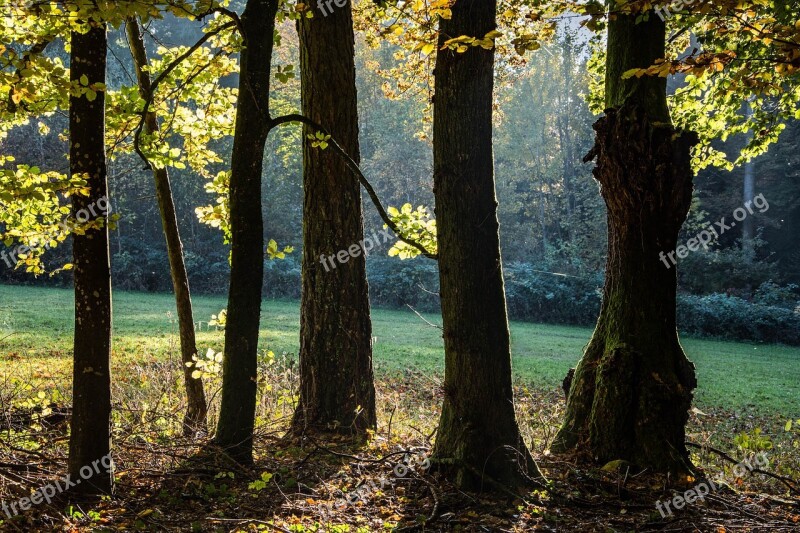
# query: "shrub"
[[729, 317], [535, 295], [772, 294]]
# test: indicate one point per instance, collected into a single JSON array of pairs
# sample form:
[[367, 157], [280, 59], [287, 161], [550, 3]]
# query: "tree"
[[196, 409], [478, 436], [632, 389], [239, 385], [748, 194], [90, 438], [336, 381]]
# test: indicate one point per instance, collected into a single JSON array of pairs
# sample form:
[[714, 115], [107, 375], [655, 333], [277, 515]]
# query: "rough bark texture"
[[336, 381], [631, 391], [237, 409], [196, 410], [478, 437], [633, 388], [631, 45], [90, 438]]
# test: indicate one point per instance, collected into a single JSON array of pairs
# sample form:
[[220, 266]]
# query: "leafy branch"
[[355, 169], [148, 100]]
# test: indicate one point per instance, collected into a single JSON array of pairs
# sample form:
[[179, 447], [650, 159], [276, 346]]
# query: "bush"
[[533, 293], [729, 317], [208, 274], [774, 295], [538, 296], [730, 270], [282, 277], [394, 283]]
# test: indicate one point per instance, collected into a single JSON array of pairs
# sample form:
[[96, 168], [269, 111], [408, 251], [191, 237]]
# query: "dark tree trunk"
[[478, 437], [632, 389], [90, 437], [237, 410], [196, 410], [336, 382]]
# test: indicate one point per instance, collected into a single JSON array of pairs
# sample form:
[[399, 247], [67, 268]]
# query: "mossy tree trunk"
[[239, 386], [90, 436], [336, 381], [478, 438], [196, 410], [632, 389]]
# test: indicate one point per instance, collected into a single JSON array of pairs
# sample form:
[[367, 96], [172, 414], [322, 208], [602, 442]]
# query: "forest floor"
[[165, 482]]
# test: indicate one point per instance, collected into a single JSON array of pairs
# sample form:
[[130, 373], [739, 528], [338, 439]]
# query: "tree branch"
[[785, 480], [34, 50], [158, 79], [353, 166]]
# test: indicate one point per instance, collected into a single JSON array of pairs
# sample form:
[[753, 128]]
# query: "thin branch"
[[425, 319], [250, 521], [785, 480], [384, 459], [34, 50], [158, 79], [353, 166]]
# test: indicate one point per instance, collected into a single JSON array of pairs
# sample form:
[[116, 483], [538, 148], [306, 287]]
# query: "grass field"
[[36, 326]]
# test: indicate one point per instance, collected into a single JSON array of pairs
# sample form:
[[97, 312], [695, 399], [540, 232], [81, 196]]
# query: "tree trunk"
[[478, 438], [566, 114], [239, 387], [336, 382], [632, 389], [749, 193], [196, 410], [90, 437]]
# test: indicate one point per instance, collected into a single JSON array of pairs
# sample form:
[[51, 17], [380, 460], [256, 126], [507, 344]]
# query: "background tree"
[[336, 381], [196, 408]]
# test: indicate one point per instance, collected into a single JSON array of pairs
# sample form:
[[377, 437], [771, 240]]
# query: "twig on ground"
[[790, 483]]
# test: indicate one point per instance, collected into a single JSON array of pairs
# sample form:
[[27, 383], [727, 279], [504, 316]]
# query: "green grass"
[[732, 375]]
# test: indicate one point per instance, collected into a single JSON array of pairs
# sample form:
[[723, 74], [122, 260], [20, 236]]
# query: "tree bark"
[[632, 389], [195, 417], [336, 381], [90, 437], [478, 440], [239, 385]]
